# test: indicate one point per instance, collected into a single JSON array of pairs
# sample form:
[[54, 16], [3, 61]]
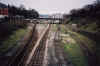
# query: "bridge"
[[50, 18], [16, 20]]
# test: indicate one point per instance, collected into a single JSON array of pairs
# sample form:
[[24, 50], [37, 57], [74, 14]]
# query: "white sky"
[[50, 6]]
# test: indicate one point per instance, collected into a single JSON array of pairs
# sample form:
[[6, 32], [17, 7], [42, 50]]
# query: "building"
[[3, 9]]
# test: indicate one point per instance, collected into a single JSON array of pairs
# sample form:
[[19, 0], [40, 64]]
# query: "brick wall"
[[3, 11]]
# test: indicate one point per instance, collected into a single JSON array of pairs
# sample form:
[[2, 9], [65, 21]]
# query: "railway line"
[[37, 55], [22, 53], [55, 54], [32, 53]]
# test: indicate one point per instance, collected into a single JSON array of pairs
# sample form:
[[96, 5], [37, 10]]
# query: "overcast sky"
[[50, 6]]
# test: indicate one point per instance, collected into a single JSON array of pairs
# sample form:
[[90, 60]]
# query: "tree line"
[[22, 11], [91, 11]]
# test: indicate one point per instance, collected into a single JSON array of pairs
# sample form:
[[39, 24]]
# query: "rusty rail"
[[32, 53], [21, 54], [37, 54]]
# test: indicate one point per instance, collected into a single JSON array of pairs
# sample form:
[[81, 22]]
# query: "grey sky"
[[50, 6]]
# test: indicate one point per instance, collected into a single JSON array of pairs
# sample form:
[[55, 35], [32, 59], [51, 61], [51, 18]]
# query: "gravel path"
[[55, 53]]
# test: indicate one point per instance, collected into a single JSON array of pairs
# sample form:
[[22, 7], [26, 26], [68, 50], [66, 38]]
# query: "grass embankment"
[[86, 24], [81, 39], [89, 34], [72, 47], [13, 39], [93, 27]]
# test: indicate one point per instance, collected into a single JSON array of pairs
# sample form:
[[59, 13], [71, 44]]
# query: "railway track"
[[22, 53], [55, 55], [32, 54], [37, 55]]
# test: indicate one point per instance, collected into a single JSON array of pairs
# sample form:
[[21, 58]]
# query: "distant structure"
[[3, 9], [57, 15], [44, 16]]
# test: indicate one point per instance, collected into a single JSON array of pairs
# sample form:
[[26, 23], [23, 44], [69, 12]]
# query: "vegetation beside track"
[[73, 43], [13, 35], [12, 40]]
